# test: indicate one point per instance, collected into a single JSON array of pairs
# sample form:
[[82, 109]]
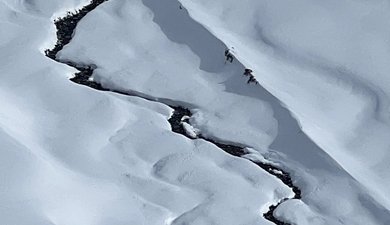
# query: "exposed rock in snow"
[[73, 155]]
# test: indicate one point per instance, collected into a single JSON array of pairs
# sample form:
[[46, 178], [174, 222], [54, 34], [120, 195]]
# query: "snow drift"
[[73, 155]]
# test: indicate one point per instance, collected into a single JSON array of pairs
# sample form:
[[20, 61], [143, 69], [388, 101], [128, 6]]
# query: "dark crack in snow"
[[65, 29]]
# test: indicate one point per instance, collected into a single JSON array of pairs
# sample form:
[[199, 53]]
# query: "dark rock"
[[65, 28]]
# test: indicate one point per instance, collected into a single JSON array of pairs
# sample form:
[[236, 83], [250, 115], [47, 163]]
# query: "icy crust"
[[328, 62], [72, 155]]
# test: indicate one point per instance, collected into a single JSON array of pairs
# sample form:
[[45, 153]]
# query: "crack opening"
[[65, 29]]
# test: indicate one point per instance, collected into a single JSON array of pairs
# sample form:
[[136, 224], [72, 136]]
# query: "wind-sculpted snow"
[[228, 108], [180, 116], [120, 65], [73, 155], [328, 62]]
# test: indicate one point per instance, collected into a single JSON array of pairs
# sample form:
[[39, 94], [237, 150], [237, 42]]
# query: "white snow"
[[295, 216], [328, 62], [73, 155], [190, 130]]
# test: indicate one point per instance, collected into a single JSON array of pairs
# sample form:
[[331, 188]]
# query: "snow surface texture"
[[72, 155], [328, 61]]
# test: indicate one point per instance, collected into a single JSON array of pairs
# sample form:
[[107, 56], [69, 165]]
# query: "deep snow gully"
[[65, 28]]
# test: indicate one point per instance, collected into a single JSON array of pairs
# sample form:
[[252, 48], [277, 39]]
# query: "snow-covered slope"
[[328, 62], [72, 155]]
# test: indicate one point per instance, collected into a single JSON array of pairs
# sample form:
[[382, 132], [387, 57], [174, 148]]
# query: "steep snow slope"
[[154, 48], [72, 155], [328, 62]]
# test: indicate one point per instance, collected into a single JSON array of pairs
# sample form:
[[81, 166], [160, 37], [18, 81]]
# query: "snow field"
[[72, 155]]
